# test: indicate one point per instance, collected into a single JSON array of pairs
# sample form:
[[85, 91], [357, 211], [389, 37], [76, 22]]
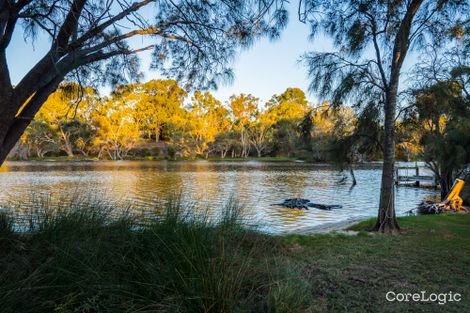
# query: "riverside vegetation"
[[81, 256], [157, 119]]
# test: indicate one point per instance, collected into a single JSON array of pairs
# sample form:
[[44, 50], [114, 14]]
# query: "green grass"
[[87, 258]]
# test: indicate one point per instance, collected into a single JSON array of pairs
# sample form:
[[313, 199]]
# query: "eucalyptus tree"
[[190, 40], [372, 40]]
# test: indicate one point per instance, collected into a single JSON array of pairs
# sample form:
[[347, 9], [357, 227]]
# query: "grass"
[[87, 258]]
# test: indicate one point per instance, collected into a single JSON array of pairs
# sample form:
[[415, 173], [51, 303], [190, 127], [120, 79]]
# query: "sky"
[[265, 69]]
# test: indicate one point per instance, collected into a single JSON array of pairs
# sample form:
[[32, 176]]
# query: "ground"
[[84, 263], [354, 273]]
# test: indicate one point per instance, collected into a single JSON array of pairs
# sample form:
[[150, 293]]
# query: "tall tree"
[[192, 40], [373, 39], [244, 108], [155, 104], [117, 133], [207, 118], [261, 131]]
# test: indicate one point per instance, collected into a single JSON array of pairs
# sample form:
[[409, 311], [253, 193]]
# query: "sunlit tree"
[[243, 108], [155, 104], [207, 118], [117, 133], [64, 113]]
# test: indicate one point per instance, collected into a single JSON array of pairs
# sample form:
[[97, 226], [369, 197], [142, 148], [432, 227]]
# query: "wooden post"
[[417, 175]]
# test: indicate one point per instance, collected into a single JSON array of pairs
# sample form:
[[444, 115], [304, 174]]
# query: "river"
[[207, 185]]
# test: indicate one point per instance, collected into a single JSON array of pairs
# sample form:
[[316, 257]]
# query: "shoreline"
[[377, 163], [327, 228]]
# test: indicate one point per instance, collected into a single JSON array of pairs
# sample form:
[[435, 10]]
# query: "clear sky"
[[265, 69]]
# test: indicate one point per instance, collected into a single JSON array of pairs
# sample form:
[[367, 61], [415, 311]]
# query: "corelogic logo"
[[423, 296]]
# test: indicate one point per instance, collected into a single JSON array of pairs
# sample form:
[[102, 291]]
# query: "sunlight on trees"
[[158, 119]]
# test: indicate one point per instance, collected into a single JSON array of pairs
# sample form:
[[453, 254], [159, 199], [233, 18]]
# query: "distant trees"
[[372, 40], [434, 128], [124, 125]]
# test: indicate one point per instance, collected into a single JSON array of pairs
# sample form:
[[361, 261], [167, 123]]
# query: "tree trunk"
[[353, 177], [445, 182], [11, 126], [386, 219], [11, 138], [67, 147]]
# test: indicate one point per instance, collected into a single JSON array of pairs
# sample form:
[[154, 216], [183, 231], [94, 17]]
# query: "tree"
[[207, 118], [306, 128], [442, 115], [224, 142], [117, 133], [291, 104], [373, 39], [261, 132], [285, 112], [191, 40], [41, 138], [155, 103], [63, 113], [243, 108]]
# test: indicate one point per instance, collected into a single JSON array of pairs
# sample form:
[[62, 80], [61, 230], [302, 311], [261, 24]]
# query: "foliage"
[[441, 117], [128, 122], [155, 104]]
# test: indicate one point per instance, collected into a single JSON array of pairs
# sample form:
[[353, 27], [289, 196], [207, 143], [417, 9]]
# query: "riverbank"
[[88, 260], [92, 159]]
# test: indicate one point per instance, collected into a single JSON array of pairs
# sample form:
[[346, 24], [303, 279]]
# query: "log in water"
[[299, 203]]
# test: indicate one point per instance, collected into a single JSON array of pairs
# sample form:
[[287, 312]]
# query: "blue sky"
[[265, 69]]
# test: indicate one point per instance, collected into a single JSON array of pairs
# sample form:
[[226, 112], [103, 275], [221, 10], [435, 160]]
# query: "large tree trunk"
[[386, 219], [11, 126]]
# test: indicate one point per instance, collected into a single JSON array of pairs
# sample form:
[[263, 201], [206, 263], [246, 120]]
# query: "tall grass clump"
[[6, 225], [82, 256]]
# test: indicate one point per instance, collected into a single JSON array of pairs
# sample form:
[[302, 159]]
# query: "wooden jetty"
[[410, 175]]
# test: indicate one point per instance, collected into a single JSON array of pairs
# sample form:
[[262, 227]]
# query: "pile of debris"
[[429, 207], [452, 203], [299, 203]]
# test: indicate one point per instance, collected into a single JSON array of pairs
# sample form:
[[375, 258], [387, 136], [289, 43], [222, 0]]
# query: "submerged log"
[[299, 203], [324, 206]]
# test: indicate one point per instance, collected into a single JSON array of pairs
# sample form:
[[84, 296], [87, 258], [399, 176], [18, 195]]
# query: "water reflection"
[[208, 185]]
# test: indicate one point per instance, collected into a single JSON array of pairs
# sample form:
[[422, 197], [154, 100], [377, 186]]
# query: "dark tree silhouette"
[[373, 38], [191, 40]]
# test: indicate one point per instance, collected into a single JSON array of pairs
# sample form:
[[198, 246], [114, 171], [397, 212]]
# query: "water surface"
[[209, 185]]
